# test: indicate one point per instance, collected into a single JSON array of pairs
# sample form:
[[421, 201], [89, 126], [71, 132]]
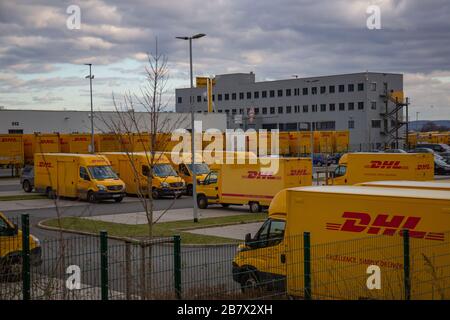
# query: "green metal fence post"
[[406, 265], [104, 264], [307, 264], [177, 265], [26, 278]]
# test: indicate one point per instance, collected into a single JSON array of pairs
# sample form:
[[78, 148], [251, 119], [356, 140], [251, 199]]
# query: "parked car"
[[441, 167], [436, 147], [27, 178], [428, 150], [321, 159], [395, 151]]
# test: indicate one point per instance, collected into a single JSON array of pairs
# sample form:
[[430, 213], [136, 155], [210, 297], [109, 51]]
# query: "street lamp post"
[[194, 175], [90, 77]]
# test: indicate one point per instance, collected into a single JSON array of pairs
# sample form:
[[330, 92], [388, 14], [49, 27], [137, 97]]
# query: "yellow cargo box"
[[83, 176], [341, 141], [75, 143], [40, 143], [253, 184], [11, 150], [108, 142], [323, 141], [299, 143]]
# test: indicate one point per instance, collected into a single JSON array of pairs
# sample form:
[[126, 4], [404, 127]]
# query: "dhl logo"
[[47, 141], [382, 224], [98, 161], [298, 172], [80, 139], [261, 175], [424, 167], [9, 140], [375, 164], [43, 164]]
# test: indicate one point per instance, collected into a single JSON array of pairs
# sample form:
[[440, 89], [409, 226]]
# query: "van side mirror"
[[248, 238]]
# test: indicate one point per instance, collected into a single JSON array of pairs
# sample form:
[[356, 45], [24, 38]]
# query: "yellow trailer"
[[141, 142], [11, 150], [75, 143], [323, 141], [253, 184], [360, 167], [341, 141], [353, 229], [107, 142], [134, 169], [40, 143], [83, 176], [299, 143]]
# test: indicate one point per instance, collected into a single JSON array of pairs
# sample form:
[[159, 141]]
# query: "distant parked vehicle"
[[441, 167], [27, 178], [436, 147], [428, 150], [395, 151]]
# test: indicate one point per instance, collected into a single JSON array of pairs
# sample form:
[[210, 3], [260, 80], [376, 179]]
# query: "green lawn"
[[163, 229], [22, 197]]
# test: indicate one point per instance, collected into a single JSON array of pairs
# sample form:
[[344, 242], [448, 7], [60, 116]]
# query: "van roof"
[[410, 184], [381, 192]]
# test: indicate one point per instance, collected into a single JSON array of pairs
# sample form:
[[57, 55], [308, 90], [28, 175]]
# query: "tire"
[[91, 197], [155, 194], [249, 282], [118, 199], [255, 207], [202, 201], [225, 205], [189, 190], [27, 186]]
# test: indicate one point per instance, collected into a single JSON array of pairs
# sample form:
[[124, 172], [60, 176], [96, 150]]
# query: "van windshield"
[[164, 170], [102, 173], [200, 168]]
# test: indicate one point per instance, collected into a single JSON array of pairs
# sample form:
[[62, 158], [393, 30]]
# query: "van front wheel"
[[27, 186], [202, 201], [249, 282], [91, 197], [255, 207]]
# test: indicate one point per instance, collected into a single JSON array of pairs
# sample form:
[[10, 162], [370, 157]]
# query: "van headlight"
[[101, 187], [36, 240], [164, 184]]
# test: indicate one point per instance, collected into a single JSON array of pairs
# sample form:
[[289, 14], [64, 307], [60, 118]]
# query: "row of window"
[[304, 109], [323, 125], [285, 92]]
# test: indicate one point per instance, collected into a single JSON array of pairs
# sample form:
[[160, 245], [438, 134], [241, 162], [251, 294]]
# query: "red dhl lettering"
[[80, 139], [424, 167], [375, 164], [383, 224], [299, 172], [260, 175], [9, 140], [43, 164], [47, 141]]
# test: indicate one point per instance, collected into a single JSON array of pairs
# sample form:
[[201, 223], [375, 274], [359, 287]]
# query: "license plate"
[[116, 195]]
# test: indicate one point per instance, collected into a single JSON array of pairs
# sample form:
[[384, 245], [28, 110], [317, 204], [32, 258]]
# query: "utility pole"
[[90, 77]]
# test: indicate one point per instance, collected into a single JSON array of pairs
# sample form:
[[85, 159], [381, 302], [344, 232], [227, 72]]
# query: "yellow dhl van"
[[11, 149], [351, 228], [249, 184], [358, 167], [83, 176], [428, 185], [11, 249], [184, 169], [134, 170]]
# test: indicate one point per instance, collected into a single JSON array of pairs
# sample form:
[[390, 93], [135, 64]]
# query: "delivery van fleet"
[[83, 176], [250, 184], [350, 227], [359, 167], [135, 173], [11, 249]]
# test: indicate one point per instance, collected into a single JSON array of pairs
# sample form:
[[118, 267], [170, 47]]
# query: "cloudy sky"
[[41, 60]]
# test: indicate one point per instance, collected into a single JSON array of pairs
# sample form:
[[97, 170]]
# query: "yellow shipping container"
[[323, 141], [40, 143], [341, 141], [107, 142], [299, 143], [75, 143], [11, 149]]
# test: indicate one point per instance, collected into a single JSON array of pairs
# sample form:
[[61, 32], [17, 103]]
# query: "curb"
[[126, 239]]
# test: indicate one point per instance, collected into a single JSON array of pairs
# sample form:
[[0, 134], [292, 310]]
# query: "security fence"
[[397, 265]]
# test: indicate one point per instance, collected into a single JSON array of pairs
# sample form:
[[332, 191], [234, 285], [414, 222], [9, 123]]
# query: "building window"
[[341, 88], [305, 108], [326, 125], [280, 93], [361, 86], [213, 97], [351, 87], [351, 106], [288, 92], [376, 123], [233, 111], [332, 107], [272, 110], [227, 96], [361, 105], [296, 109], [323, 89], [280, 110], [219, 111], [323, 107], [373, 105], [264, 110], [219, 97], [331, 89], [199, 98], [256, 94], [373, 86], [314, 108], [272, 93], [180, 100], [305, 91], [264, 94], [296, 91], [249, 95], [256, 110], [341, 106], [241, 96], [314, 90], [241, 111], [233, 96], [351, 124], [288, 109], [227, 111]]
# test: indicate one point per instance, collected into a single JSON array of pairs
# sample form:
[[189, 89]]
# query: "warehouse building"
[[358, 102], [48, 121]]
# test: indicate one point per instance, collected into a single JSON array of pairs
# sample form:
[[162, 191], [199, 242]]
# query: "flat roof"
[[381, 192], [442, 185]]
